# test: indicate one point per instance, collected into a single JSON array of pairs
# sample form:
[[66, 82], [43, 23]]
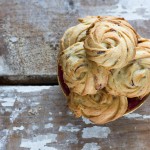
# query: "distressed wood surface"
[[37, 118], [30, 31]]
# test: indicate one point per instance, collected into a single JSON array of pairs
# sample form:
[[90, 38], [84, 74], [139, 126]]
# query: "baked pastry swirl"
[[99, 108], [105, 68], [134, 79], [81, 76], [110, 42], [77, 33]]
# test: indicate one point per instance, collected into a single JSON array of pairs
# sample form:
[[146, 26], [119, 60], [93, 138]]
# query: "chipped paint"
[[3, 138], [18, 128], [60, 113], [133, 115], [137, 116], [50, 113], [39, 142], [91, 146], [41, 3], [13, 39], [71, 138], [49, 125], [146, 116], [130, 10], [50, 118], [4, 69], [7, 101], [34, 111], [34, 127], [69, 128], [95, 132], [86, 121], [24, 89], [15, 113], [69, 113]]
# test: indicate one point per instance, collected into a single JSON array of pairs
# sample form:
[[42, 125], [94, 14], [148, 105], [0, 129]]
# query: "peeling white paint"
[[49, 125], [24, 89], [133, 115], [8, 109], [34, 127], [3, 138], [130, 10], [14, 115], [91, 146], [71, 138], [4, 69], [39, 142], [60, 113], [18, 128], [69, 127], [96, 132], [50, 113], [7, 102], [50, 118], [146, 116], [42, 3], [13, 39], [137, 116], [86, 121], [69, 113]]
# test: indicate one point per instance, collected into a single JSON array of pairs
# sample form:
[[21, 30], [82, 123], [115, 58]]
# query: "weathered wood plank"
[[30, 33], [37, 117]]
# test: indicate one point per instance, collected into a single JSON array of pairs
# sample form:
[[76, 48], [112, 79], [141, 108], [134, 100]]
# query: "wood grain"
[[31, 30], [37, 117]]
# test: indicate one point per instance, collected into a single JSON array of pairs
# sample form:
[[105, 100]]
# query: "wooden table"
[[36, 117]]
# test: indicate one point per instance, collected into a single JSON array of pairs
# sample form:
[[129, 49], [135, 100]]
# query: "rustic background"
[[31, 30], [36, 117]]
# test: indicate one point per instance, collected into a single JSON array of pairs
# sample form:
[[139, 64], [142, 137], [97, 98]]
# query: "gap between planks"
[[29, 80]]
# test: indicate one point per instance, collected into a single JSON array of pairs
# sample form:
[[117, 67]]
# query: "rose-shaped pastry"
[[104, 68], [134, 79], [99, 108], [77, 33], [110, 42], [80, 75]]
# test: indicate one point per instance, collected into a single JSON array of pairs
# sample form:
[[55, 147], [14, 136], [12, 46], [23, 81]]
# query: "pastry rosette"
[[77, 33], [80, 75], [99, 108], [110, 42], [104, 66], [133, 80]]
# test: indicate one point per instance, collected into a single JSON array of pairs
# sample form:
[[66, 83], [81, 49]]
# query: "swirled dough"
[[77, 33], [110, 42], [99, 108], [134, 79], [104, 62], [80, 75]]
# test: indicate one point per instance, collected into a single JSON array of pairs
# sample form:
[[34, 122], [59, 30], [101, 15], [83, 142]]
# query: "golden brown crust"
[[82, 76], [134, 79], [76, 33], [110, 42], [104, 62], [99, 108]]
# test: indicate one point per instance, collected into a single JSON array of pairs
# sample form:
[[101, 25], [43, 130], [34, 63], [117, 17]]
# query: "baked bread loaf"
[[105, 65]]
